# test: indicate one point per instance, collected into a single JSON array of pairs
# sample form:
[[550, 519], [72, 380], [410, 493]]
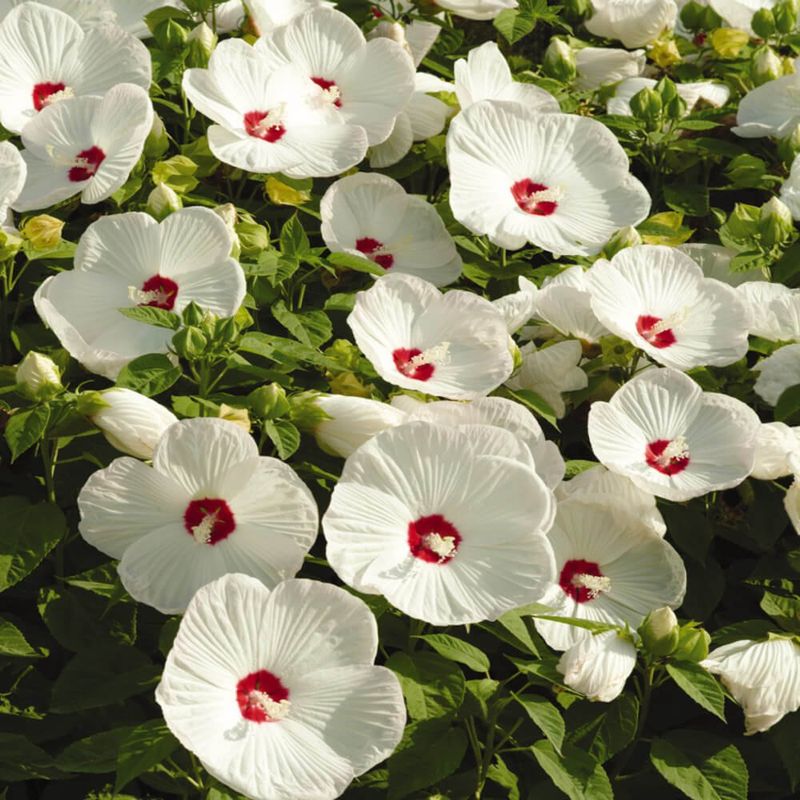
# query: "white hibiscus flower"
[[132, 422], [739, 13], [600, 66], [777, 448], [13, 171], [447, 523], [763, 677], [715, 261], [774, 310], [452, 345], [276, 692], [658, 299], [74, 62], [558, 181], [371, 216], [565, 303], [271, 119], [598, 666], [671, 438], [551, 371], [772, 109], [610, 567], [209, 505], [129, 260], [88, 146], [365, 83], [267, 15], [777, 373], [476, 9], [633, 22], [485, 75], [518, 307]]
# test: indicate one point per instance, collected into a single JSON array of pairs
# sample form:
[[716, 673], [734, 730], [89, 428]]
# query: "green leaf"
[[14, 644], [293, 239], [697, 124], [428, 753], [96, 754], [149, 375], [535, 403], [25, 428], [284, 351], [784, 609], [691, 199], [273, 266], [604, 729], [312, 328], [30, 532], [150, 315], [546, 717], [145, 746], [103, 675], [700, 765], [699, 685], [21, 760], [284, 435], [432, 686], [355, 263], [514, 24], [586, 624], [503, 776], [454, 649], [576, 773]]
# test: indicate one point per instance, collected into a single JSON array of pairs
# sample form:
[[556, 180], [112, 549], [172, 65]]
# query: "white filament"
[[140, 297], [273, 709], [55, 97], [203, 530], [594, 583], [273, 118], [438, 354], [442, 546]]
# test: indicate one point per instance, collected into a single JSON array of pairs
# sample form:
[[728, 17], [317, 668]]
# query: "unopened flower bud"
[[269, 402], [43, 232], [162, 201], [395, 31], [785, 13], [692, 16], [660, 632], [665, 53], [253, 238], [763, 23], [729, 42], [39, 376], [647, 105], [765, 66], [157, 142], [202, 41], [624, 237], [693, 644], [132, 422], [559, 61], [10, 244], [775, 223], [189, 342], [789, 146]]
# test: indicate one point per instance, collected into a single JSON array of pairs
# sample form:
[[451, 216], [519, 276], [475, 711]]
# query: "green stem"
[[469, 725], [644, 709]]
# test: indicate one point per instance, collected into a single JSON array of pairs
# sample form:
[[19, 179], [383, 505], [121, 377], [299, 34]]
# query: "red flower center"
[[534, 198], [259, 696], [333, 91], [209, 520], [42, 91], [433, 539], [86, 164], [668, 457], [654, 332], [573, 579], [159, 292], [264, 125], [406, 363], [369, 247]]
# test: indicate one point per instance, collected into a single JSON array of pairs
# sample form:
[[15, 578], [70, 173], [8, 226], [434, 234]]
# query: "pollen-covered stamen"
[[48, 92], [266, 125], [660, 332], [157, 291], [433, 539], [209, 520], [594, 584], [668, 456], [331, 93], [421, 364], [375, 251], [85, 164], [537, 198], [262, 697]]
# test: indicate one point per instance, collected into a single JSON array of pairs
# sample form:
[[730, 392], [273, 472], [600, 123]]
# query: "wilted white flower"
[[600, 66], [634, 22], [777, 372], [598, 666]]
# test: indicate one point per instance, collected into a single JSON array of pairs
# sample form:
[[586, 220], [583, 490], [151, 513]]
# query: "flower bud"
[[132, 422], [39, 376], [305, 412], [282, 194], [789, 146], [665, 53], [157, 142], [236, 416], [10, 244], [395, 31], [693, 644], [269, 402], [193, 314], [647, 105], [254, 238], [189, 342], [763, 23], [660, 632], [559, 61], [692, 15], [765, 66], [43, 232], [202, 41], [227, 213], [624, 237], [162, 201], [785, 13], [775, 223]]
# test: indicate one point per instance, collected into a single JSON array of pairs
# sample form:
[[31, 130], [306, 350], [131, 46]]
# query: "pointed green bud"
[[202, 41], [559, 61], [624, 237], [39, 376], [763, 23], [660, 632], [190, 342], [269, 402], [765, 66], [693, 644], [775, 223], [157, 142], [162, 201], [646, 106]]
